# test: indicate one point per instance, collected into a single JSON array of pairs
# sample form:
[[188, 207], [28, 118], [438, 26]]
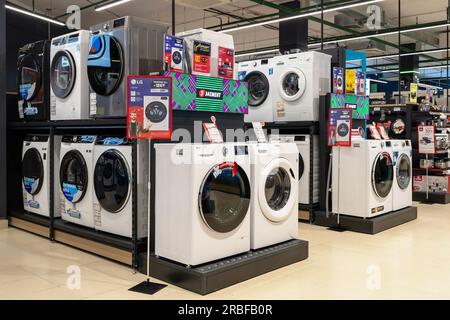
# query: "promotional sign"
[[149, 115], [212, 131], [173, 53], [202, 57], [427, 141], [340, 128], [259, 132], [350, 81], [359, 104], [374, 133], [338, 80], [360, 83], [226, 63], [413, 87], [202, 93]]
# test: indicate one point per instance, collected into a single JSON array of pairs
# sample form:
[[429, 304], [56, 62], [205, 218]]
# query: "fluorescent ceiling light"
[[429, 86], [383, 57], [387, 71], [257, 52], [111, 4], [303, 15], [425, 28], [432, 67], [34, 15], [377, 81], [423, 52]]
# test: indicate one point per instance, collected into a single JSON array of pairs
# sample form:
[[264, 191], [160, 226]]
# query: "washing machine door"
[[73, 175], [224, 197], [62, 74], [258, 88], [277, 190], [32, 171], [403, 171], [301, 166], [112, 181], [106, 64], [29, 76], [382, 174], [292, 84]]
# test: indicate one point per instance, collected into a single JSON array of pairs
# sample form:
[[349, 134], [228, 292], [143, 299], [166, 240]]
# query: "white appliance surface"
[[403, 182]]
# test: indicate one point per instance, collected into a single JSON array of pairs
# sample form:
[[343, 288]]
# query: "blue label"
[[24, 91], [270, 71], [33, 204], [30, 184], [87, 139], [71, 192], [113, 141], [99, 51], [30, 110], [395, 154], [241, 75]]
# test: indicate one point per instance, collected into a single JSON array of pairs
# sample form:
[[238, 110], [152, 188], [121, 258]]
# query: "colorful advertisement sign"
[[338, 80], [203, 93], [350, 81], [413, 87], [427, 141], [173, 53], [149, 115], [360, 83], [340, 127], [202, 57], [359, 104], [226, 63]]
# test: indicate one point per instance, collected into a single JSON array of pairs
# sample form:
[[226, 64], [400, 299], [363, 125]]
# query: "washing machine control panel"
[[78, 139]]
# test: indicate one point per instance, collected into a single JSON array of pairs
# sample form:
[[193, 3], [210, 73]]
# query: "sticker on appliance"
[[338, 80], [226, 63], [173, 53], [202, 57]]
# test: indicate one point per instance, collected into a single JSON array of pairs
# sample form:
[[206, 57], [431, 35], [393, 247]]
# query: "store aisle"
[[410, 261]]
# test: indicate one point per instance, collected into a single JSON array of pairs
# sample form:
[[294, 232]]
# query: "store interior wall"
[[3, 120]]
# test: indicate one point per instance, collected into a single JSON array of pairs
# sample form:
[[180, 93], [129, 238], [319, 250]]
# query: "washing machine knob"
[[74, 139]]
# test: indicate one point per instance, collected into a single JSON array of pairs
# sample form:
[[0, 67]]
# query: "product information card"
[[339, 128], [427, 141]]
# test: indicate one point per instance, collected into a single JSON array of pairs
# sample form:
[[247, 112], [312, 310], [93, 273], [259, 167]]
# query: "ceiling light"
[[111, 4], [303, 15], [257, 52], [34, 15], [425, 28], [377, 81]]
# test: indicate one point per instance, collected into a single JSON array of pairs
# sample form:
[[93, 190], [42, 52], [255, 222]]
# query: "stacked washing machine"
[[402, 157]]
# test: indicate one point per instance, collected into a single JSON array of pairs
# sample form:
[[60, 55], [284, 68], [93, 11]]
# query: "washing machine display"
[[63, 74], [258, 88], [224, 197], [32, 172], [73, 176], [383, 175], [403, 172], [278, 188], [112, 181], [292, 84]]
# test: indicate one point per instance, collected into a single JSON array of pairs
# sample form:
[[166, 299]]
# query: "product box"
[[360, 83], [350, 81], [436, 184], [173, 53], [338, 80]]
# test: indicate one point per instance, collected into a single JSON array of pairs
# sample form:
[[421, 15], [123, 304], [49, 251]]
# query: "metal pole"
[[321, 25], [3, 114], [447, 86], [399, 50], [173, 17]]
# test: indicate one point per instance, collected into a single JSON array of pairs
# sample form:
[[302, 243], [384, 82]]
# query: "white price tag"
[[62, 204], [53, 105], [93, 104], [97, 215], [259, 132]]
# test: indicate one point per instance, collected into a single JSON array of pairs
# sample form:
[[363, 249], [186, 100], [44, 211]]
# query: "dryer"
[[69, 84], [36, 174], [113, 186], [118, 48], [76, 179], [305, 164], [274, 209], [207, 217], [402, 193], [33, 80], [259, 76], [363, 179], [300, 80]]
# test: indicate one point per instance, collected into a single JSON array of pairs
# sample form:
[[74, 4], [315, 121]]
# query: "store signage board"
[[338, 80], [226, 63], [149, 115], [174, 52], [202, 57], [259, 132], [340, 127], [211, 94], [359, 104], [427, 141], [212, 131]]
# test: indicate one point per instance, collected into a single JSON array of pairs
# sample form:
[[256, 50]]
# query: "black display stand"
[[441, 198], [369, 226], [223, 273]]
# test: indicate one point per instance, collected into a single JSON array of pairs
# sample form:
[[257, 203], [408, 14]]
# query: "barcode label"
[[62, 204], [97, 215], [93, 104], [25, 198], [53, 105]]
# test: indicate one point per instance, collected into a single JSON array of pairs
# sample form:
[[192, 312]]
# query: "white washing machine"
[[300, 80], [303, 142], [118, 48], [76, 179], [69, 84], [202, 209], [259, 76], [402, 193], [274, 209], [36, 174], [113, 193], [363, 179]]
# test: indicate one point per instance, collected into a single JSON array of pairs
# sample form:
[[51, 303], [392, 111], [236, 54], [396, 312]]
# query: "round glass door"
[[112, 181], [292, 84], [403, 171], [73, 176], [277, 188], [224, 198], [258, 88], [382, 175], [105, 80], [32, 171], [301, 166], [62, 74], [28, 77]]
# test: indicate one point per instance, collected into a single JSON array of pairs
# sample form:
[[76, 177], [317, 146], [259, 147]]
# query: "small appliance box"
[[338, 80], [209, 53], [436, 184], [350, 81]]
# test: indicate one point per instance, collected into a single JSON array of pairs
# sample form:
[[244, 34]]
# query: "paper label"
[[97, 215], [213, 133], [53, 105], [259, 132], [202, 57], [93, 104], [427, 140]]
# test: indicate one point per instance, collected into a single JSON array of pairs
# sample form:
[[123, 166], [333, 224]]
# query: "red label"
[[202, 57], [226, 63]]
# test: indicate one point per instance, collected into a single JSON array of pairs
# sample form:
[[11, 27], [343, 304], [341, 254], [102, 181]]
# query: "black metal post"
[[173, 17], [321, 24], [447, 44], [3, 120], [399, 49]]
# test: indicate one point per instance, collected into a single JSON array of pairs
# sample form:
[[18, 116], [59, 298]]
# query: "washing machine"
[[155, 112], [36, 171], [363, 179], [118, 48], [303, 142], [113, 186], [259, 76], [274, 205], [300, 80], [69, 84], [402, 193], [33, 80], [76, 179], [207, 216]]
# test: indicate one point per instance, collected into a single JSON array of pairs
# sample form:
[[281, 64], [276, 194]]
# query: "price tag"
[[259, 132], [212, 131]]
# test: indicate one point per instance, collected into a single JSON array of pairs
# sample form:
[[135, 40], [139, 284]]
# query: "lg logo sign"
[[375, 17]]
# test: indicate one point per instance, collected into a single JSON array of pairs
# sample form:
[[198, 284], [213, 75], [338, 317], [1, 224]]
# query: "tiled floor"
[[408, 262]]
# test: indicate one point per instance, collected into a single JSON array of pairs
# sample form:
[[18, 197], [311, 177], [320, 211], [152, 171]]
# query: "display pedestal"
[[220, 274], [369, 226], [442, 198]]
